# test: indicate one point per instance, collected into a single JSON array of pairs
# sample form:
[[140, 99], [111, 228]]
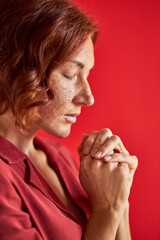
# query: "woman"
[[46, 53]]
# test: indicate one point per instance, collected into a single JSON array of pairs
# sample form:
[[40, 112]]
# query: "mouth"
[[71, 118]]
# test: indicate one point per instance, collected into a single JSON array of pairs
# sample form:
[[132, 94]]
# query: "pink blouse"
[[29, 208]]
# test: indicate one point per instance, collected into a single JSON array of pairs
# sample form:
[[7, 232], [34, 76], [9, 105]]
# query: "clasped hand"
[[106, 170]]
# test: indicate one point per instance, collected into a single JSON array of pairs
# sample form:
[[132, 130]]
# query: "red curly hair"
[[35, 37]]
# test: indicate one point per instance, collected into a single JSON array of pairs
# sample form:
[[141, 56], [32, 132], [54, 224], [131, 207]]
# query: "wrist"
[[123, 231], [116, 210], [103, 224], [109, 213], [126, 210]]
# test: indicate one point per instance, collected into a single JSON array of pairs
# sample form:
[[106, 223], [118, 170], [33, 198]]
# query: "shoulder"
[[5, 170], [9, 177], [7, 182]]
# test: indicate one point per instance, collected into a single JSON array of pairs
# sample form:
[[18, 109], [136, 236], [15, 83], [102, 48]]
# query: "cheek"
[[63, 96], [63, 93], [60, 103], [63, 90]]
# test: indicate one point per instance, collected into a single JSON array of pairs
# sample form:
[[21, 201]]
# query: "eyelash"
[[68, 77]]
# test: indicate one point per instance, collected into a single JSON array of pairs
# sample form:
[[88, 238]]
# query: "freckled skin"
[[106, 183], [69, 94]]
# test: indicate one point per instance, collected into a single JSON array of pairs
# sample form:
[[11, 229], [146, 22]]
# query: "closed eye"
[[70, 77]]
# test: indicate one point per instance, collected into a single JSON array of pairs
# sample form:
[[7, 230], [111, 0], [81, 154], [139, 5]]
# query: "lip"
[[71, 117]]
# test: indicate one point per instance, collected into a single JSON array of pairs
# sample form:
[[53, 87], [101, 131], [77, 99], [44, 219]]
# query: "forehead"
[[85, 55]]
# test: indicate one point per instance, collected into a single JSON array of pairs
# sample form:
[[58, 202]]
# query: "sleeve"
[[15, 223]]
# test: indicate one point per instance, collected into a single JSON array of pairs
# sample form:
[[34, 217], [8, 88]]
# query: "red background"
[[126, 86]]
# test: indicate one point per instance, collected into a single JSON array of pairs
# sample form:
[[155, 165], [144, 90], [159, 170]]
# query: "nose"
[[84, 96]]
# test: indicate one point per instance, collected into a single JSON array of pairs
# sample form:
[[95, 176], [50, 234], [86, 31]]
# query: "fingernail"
[[98, 154], [86, 150], [108, 157]]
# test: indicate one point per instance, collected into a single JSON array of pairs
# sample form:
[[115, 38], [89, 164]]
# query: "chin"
[[59, 133], [62, 135]]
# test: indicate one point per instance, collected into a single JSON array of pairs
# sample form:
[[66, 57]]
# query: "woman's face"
[[71, 91]]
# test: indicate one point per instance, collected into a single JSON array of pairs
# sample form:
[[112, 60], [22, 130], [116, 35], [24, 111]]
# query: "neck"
[[8, 130]]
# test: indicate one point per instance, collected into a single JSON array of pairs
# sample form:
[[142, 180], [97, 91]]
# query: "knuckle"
[[95, 132], [106, 131], [123, 170], [116, 138], [123, 166], [135, 160], [97, 163], [108, 166]]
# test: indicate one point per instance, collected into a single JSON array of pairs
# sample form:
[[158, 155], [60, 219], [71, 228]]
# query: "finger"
[[112, 152], [113, 143], [110, 165], [99, 163], [132, 161], [102, 137], [80, 147], [124, 168], [89, 142], [122, 147]]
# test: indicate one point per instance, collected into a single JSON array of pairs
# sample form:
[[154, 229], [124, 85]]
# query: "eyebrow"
[[79, 64]]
